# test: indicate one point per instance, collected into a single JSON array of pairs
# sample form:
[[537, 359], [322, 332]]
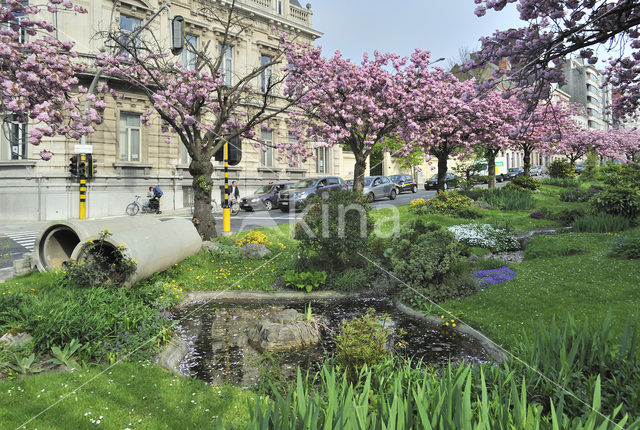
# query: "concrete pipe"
[[155, 247], [58, 239]]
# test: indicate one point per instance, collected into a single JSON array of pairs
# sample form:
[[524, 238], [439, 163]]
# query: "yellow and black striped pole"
[[226, 208], [82, 174]]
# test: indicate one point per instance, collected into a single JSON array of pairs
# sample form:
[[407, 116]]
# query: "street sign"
[[83, 149]]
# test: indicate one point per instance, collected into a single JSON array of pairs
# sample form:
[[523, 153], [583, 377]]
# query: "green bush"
[[626, 247], [335, 234], [568, 216], [621, 175], [363, 341], [508, 199], [525, 183], [590, 171], [424, 253], [474, 193], [560, 169], [468, 213], [305, 280], [381, 248], [601, 223], [617, 201], [562, 182], [448, 203], [489, 263], [352, 279]]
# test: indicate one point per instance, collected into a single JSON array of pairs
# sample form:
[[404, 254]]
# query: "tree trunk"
[[527, 162], [202, 186], [359, 171], [491, 169], [442, 172]]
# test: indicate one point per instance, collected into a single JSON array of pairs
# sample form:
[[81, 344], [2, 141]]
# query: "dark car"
[[513, 172], [450, 181], [404, 183], [307, 188], [264, 198]]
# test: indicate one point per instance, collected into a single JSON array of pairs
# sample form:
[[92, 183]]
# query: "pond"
[[220, 351]]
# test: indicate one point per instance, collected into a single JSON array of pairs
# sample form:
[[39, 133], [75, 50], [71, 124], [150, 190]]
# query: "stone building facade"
[[130, 156]]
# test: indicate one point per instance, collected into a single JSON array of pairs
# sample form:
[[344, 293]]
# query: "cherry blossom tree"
[[557, 28], [38, 75], [204, 104], [357, 105], [621, 144]]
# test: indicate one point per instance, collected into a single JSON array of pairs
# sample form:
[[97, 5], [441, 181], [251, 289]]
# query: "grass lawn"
[[587, 285], [130, 395]]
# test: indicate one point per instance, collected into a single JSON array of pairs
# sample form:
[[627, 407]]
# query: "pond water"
[[220, 351]]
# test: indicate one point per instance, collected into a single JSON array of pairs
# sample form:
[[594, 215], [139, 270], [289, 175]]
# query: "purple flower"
[[493, 276]]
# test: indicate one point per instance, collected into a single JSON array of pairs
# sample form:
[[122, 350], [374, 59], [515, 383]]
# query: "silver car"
[[377, 187]]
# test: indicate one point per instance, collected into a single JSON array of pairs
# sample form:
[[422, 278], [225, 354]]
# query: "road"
[[17, 243]]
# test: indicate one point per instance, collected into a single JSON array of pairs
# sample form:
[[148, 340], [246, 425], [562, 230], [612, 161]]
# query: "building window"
[[322, 160], [189, 56], [278, 5], [265, 76], [128, 24], [266, 151], [185, 158], [226, 67], [129, 137], [13, 140]]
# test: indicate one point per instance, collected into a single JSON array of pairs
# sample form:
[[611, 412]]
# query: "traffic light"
[[235, 152], [82, 168], [73, 165], [92, 166]]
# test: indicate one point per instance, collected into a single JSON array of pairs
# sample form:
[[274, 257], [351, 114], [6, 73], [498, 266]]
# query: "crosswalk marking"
[[26, 239]]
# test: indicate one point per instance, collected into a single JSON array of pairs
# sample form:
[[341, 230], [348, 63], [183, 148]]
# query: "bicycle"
[[235, 206], [140, 205]]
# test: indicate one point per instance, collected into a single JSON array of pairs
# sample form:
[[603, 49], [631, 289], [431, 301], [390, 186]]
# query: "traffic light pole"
[[83, 187], [226, 208]]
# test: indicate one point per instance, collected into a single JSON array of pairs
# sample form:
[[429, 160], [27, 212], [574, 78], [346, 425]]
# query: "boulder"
[[208, 246], [253, 251], [286, 330], [16, 338]]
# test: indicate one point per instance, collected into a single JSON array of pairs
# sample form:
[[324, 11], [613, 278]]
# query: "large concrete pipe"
[[58, 239], [155, 247]]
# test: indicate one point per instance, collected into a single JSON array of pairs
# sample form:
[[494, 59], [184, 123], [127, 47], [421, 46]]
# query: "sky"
[[439, 26]]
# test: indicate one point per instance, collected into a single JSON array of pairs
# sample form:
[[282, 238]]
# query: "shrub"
[[339, 238], [621, 175], [508, 199], [562, 182], [485, 236], [102, 265], [568, 216], [468, 213], [578, 194], [560, 169], [601, 223], [351, 280], [618, 201], [474, 193], [626, 247], [536, 215], [451, 287], [305, 280], [591, 167], [489, 263], [424, 252], [418, 206], [448, 203], [525, 183], [363, 341]]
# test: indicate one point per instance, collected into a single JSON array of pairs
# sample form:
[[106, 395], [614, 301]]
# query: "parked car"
[[514, 171], [264, 198], [404, 183], [377, 187], [307, 188], [450, 181], [579, 168], [536, 170]]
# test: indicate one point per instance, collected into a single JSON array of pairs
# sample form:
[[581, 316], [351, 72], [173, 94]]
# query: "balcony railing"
[[300, 15], [294, 13]]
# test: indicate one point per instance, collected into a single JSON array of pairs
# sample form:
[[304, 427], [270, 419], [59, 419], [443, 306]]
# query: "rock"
[[510, 256], [253, 251], [16, 338], [208, 246], [286, 330], [24, 265], [481, 205]]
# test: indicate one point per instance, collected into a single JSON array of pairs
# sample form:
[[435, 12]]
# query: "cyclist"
[[154, 202]]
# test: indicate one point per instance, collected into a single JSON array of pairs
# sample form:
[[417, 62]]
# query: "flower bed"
[[485, 236], [493, 276]]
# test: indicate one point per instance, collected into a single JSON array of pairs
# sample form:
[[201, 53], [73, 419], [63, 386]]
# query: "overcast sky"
[[439, 26]]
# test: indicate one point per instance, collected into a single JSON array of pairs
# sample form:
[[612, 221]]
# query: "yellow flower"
[[447, 323], [451, 320], [453, 325], [441, 317], [161, 297]]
